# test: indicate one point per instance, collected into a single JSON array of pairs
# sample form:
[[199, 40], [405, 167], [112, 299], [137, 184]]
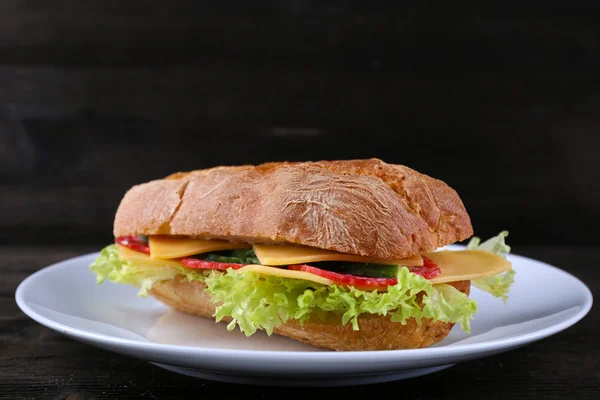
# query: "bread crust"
[[363, 207], [375, 333]]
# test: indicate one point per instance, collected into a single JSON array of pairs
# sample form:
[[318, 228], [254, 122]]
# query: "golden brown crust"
[[375, 333], [364, 207]]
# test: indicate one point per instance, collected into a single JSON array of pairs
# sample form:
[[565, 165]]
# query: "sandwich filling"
[[262, 286]]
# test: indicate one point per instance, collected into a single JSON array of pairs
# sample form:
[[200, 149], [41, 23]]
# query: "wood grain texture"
[[37, 363], [96, 133], [367, 36], [501, 101]]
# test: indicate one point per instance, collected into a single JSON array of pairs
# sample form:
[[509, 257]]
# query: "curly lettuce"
[[496, 244], [108, 265], [497, 285], [264, 302]]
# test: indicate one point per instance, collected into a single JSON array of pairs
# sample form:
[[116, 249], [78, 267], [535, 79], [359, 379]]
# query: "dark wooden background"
[[500, 101]]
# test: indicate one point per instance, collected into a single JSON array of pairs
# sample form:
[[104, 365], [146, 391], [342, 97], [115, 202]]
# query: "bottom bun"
[[376, 332]]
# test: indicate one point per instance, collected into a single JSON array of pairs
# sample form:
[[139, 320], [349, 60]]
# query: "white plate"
[[543, 301]]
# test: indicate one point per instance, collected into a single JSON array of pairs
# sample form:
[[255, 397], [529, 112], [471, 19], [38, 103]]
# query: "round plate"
[[65, 297]]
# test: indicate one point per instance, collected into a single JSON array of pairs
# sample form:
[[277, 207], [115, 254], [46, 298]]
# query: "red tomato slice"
[[134, 243], [203, 264], [428, 270], [359, 282]]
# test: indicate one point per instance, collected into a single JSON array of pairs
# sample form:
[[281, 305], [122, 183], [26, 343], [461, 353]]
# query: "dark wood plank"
[[38, 363], [80, 137], [499, 100], [378, 34]]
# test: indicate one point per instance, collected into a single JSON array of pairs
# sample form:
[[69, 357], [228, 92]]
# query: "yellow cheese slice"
[[143, 258], [165, 247], [289, 255], [454, 265], [285, 273], [464, 265]]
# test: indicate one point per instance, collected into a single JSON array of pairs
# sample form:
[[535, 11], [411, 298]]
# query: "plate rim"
[[326, 356]]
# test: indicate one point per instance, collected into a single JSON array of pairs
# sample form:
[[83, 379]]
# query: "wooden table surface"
[[38, 363]]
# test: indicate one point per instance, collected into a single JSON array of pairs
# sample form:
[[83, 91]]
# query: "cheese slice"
[[465, 265], [285, 273], [289, 255], [454, 265], [138, 257], [165, 247], [144, 259]]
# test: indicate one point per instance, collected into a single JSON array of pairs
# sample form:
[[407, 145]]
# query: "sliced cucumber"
[[361, 269]]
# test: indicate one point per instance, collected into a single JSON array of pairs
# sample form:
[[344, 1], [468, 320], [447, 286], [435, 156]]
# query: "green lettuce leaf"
[[446, 303], [264, 302], [108, 265], [255, 302], [497, 285], [496, 244]]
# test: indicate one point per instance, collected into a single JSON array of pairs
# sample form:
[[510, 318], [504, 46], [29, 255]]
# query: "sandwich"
[[347, 255]]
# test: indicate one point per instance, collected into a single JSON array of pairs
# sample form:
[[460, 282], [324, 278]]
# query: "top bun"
[[363, 207]]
